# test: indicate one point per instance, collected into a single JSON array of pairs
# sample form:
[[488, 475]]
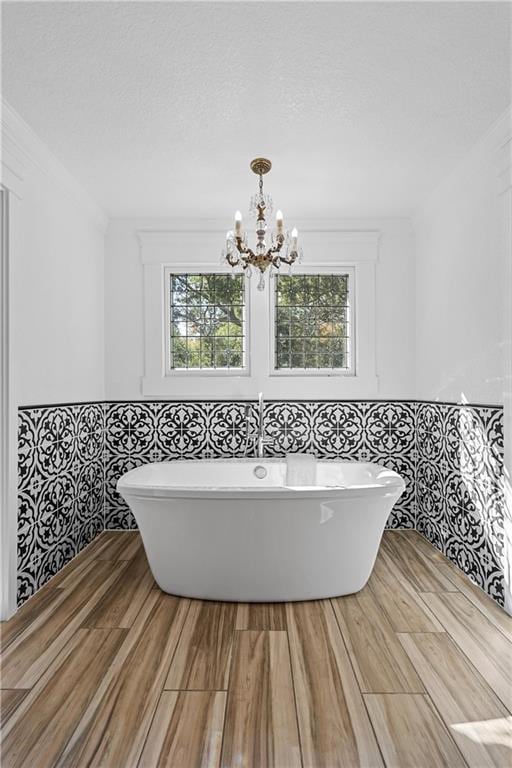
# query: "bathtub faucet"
[[258, 434]]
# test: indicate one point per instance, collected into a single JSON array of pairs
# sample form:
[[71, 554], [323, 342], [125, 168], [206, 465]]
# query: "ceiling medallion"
[[283, 247]]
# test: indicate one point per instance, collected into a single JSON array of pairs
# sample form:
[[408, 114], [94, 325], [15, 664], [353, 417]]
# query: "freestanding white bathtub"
[[230, 529]]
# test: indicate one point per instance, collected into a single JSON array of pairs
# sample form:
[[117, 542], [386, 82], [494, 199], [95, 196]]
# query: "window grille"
[[207, 322], [312, 322]]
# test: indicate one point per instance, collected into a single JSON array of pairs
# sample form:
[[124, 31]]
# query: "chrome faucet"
[[258, 435]]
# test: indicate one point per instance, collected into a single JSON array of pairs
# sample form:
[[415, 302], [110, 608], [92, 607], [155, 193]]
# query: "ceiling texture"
[[158, 107]]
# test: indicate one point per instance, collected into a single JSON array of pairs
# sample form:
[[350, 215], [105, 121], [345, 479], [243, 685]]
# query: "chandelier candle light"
[[283, 248]]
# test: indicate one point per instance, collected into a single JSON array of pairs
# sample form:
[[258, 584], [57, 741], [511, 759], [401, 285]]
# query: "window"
[[206, 322], [308, 335], [312, 321]]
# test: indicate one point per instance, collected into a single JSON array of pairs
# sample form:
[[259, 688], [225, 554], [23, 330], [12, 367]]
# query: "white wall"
[[124, 308], [440, 324], [461, 297], [58, 277]]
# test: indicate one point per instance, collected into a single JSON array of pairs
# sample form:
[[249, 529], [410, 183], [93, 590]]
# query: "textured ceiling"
[[157, 108]]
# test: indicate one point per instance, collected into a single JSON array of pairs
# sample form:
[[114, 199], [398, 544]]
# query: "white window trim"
[[197, 251]]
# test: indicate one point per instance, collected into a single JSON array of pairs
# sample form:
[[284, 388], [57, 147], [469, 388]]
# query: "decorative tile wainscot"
[[60, 488], [460, 502], [158, 431], [451, 457]]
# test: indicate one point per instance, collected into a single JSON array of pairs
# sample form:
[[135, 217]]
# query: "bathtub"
[[231, 529]]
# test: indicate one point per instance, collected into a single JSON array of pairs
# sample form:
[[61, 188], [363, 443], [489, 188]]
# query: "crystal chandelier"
[[283, 247]]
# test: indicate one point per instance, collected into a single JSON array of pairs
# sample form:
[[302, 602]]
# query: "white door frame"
[[11, 182], [8, 448], [504, 166]]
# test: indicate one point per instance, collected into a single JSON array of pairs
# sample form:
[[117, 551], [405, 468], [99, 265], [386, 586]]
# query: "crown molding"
[[203, 244], [206, 226], [23, 151]]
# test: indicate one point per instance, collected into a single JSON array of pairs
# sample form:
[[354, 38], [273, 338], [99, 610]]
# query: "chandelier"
[[283, 247]]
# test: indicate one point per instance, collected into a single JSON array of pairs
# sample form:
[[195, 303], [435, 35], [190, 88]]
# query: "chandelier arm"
[[247, 254], [242, 247], [290, 259], [277, 247]]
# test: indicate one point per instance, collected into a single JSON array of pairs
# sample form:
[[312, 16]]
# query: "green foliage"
[[312, 321], [207, 321]]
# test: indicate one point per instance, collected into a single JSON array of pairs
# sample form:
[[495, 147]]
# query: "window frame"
[[193, 247], [316, 269], [201, 372]]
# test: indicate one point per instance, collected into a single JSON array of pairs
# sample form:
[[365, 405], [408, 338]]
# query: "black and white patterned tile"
[[55, 558], [403, 514], [85, 532], [390, 427], [288, 428], [91, 419], [28, 425], [182, 429], [431, 529], [221, 429], [466, 558], [429, 477], [495, 523], [129, 427], [229, 427], [429, 431], [27, 463], [465, 520], [337, 429], [57, 425], [89, 477], [28, 550], [89, 446], [119, 518], [115, 468], [60, 487], [27, 582], [451, 457], [494, 581]]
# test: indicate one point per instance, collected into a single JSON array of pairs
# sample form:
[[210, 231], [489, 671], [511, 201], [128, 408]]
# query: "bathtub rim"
[[394, 487]]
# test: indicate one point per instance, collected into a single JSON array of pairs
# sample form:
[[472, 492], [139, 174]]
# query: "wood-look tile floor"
[[101, 668]]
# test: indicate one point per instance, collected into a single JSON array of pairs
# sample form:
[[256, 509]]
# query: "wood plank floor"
[[100, 668]]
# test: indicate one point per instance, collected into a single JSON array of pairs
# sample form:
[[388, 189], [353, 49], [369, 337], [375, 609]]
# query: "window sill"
[[244, 387]]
